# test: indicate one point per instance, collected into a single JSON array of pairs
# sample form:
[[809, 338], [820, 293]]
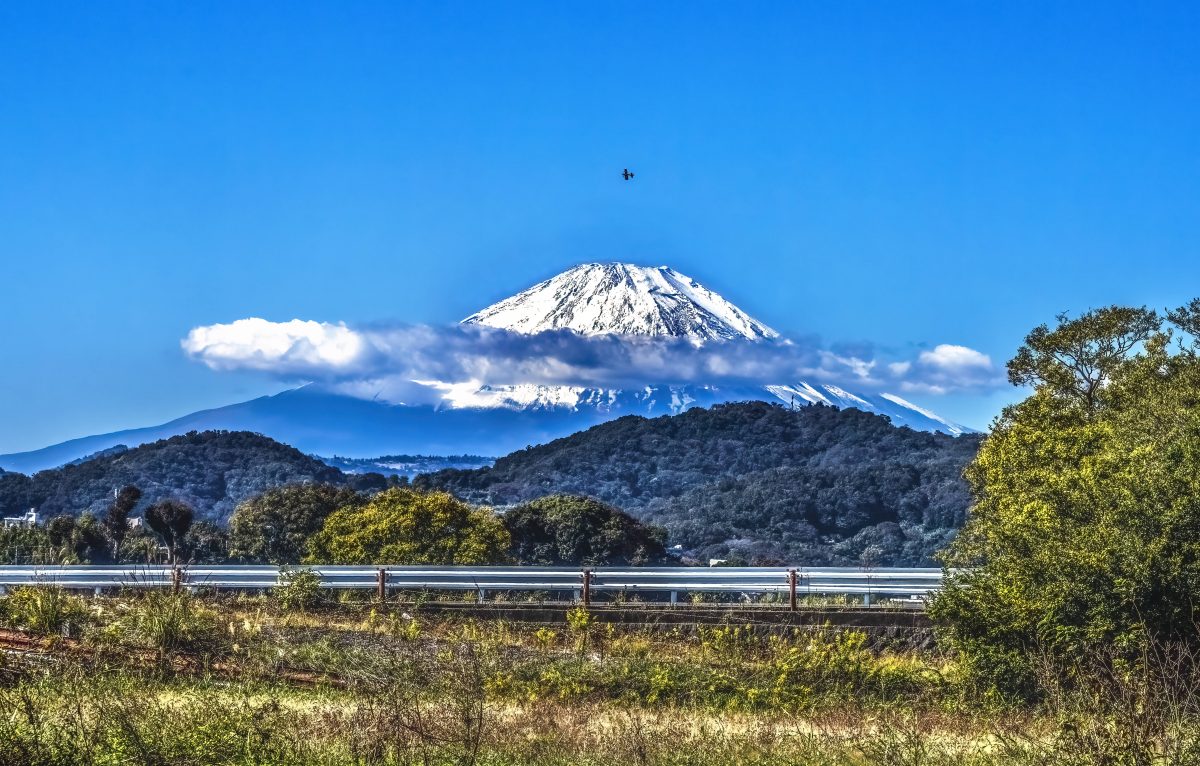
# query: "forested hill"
[[755, 481], [212, 471]]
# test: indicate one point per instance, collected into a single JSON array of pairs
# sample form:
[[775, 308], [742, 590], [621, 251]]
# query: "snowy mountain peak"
[[623, 299]]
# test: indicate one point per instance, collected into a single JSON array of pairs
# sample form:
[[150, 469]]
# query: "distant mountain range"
[[591, 299]]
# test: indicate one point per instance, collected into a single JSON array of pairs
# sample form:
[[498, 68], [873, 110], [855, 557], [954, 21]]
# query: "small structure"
[[27, 519]]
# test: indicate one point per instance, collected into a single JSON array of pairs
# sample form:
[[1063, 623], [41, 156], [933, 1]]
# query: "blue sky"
[[906, 174]]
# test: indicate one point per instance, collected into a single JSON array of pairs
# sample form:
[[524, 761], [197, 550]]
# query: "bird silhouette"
[[626, 174]]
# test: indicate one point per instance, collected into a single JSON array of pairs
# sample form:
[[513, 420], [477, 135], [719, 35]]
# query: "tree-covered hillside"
[[754, 481], [211, 471]]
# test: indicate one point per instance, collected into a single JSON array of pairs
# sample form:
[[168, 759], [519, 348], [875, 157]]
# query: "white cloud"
[[860, 367], [387, 359], [950, 357], [274, 346]]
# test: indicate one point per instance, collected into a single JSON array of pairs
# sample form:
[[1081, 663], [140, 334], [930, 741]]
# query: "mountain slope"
[[211, 471], [812, 486], [623, 299]]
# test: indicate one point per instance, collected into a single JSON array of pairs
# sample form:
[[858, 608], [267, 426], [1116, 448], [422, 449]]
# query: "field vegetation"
[[156, 678]]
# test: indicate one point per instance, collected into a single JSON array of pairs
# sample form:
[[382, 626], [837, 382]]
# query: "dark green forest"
[[211, 472], [754, 482], [750, 482]]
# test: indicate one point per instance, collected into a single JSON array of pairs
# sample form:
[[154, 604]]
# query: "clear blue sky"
[[901, 173]]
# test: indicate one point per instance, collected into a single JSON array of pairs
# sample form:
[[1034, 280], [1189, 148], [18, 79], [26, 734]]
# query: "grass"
[[418, 689]]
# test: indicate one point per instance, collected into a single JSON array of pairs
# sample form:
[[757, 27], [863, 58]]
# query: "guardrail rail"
[[582, 583]]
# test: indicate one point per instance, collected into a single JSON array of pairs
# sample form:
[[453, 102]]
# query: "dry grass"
[[425, 691]]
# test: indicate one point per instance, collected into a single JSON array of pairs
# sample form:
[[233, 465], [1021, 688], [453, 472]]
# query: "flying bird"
[[626, 174]]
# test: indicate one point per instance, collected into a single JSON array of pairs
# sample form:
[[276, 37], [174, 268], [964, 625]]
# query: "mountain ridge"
[[212, 471], [757, 481]]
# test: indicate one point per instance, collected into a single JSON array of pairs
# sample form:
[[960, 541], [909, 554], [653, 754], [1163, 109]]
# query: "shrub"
[[171, 622], [300, 589], [45, 609]]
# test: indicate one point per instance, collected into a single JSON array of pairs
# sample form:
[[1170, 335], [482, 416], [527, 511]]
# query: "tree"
[[1077, 359], [274, 527], [208, 543], [116, 517], [170, 520], [28, 545], [405, 526], [1085, 527], [572, 530]]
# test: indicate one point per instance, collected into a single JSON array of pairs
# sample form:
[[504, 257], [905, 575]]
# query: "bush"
[[45, 609], [171, 622], [300, 589]]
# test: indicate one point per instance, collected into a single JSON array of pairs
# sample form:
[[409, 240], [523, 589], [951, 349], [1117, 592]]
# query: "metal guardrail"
[[796, 582]]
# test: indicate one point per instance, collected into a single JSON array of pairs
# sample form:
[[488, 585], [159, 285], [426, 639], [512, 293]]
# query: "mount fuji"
[[590, 299], [622, 299], [619, 298]]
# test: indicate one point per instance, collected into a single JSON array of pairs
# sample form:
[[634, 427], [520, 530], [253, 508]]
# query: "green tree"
[[116, 518], [274, 527], [170, 520], [27, 545], [569, 529], [405, 526], [208, 543], [73, 540], [1085, 527], [60, 535]]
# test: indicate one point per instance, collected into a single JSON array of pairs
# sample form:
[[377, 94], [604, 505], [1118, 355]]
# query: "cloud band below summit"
[[337, 354]]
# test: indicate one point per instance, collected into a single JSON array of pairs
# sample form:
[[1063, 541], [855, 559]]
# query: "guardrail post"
[[381, 584], [792, 589], [674, 597], [587, 587], [176, 580]]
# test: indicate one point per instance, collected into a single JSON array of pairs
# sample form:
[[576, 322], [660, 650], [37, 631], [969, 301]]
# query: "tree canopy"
[[274, 527], [170, 520], [1085, 527], [570, 530], [406, 526], [116, 517]]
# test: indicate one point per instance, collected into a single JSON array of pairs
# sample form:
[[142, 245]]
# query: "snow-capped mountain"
[[592, 299], [623, 299]]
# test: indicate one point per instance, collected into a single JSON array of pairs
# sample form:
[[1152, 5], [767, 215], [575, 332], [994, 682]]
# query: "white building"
[[27, 519]]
